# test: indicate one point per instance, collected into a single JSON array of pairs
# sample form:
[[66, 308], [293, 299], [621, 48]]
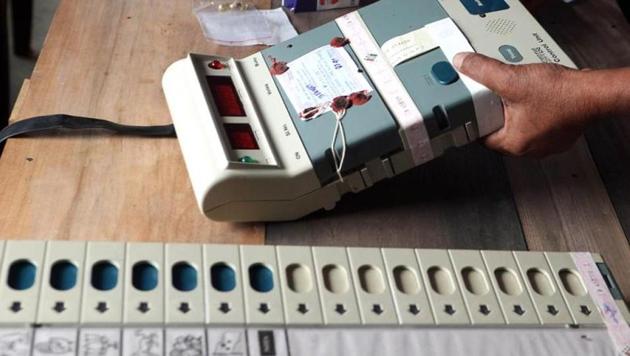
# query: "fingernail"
[[459, 58]]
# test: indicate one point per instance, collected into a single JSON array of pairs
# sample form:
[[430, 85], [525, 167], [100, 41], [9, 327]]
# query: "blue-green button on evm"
[[104, 276], [63, 275], [444, 73], [22, 275], [144, 276]]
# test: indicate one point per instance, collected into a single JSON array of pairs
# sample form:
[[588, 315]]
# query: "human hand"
[[546, 106]]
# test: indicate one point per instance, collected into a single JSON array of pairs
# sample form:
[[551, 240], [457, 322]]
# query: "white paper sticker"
[[15, 342], [407, 46], [55, 341], [335, 4], [617, 327], [185, 342], [525, 341], [99, 342], [227, 342], [320, 76], [141, 342]]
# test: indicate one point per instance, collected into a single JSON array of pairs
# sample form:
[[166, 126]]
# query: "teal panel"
[[386, 20], [371, 131]]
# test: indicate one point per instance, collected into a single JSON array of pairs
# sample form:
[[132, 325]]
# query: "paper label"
[[335, 4], [389, 86], [618, 328], [99, 341], [320, 76], [55, 341], [15, 342], [185, 341], [267, 342], [407, 46], [143, 341], [227, 342]]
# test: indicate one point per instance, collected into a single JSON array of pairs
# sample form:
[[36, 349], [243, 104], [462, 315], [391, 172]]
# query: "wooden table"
[[106, 59]]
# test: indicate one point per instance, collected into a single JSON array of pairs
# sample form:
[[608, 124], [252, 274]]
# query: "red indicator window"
[[225, 96], [241, 136]]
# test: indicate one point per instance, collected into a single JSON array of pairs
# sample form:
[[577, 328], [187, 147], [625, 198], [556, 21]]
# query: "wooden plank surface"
[[562, 201], [609, 140], [105, 59]]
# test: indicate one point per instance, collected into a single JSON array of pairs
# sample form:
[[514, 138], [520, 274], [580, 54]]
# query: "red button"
[[216, 64]]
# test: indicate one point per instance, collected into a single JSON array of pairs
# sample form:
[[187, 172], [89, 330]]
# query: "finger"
[[490, 72], [493, 141]]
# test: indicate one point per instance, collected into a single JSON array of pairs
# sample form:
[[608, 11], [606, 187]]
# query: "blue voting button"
[[444, 73], [478, 7]]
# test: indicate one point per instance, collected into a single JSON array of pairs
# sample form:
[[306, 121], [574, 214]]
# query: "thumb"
[[490, 72]]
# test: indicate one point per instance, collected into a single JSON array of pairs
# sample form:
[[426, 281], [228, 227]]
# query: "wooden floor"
[[473, 198]]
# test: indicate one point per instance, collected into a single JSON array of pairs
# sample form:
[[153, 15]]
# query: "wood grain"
[[19, 100], [105, 59], [562, 201], [609, 140]]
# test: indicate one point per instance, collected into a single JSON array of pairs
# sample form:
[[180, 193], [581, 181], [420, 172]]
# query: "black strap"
[[69, 122]]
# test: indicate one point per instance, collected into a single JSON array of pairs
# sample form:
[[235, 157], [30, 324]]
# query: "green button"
[[444, 73], [247, 159]]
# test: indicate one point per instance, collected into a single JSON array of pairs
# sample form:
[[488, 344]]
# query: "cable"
[[69, 122]]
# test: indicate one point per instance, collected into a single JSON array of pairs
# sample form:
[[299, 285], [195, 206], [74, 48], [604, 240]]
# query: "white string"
[[338, 160]]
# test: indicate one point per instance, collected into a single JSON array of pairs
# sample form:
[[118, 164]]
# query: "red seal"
[[338, 42], [278, 67]]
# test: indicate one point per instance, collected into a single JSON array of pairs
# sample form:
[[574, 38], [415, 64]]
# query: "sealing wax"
[[278, 67], [339, 42]]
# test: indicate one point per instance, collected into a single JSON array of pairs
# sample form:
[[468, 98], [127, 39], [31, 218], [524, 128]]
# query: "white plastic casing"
[[283, 187]]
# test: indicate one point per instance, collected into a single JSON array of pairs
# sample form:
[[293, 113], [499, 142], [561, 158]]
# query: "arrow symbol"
[[340, 309], [59, 307], [144, 307], [519, 310], [413, 309], [225, 308], [448, 309], [552, 310], [264, 308], [184, 307], [483, 309], [302, 308], [16, 307], [101, 307], [585, 310], [376, 308]]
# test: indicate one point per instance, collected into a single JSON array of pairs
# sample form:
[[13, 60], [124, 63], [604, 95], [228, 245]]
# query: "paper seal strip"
[[618, 328], [389, 86], [410, 45], [488, 106]]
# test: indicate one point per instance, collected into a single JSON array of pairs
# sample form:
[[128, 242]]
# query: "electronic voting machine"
[[289, 130]]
